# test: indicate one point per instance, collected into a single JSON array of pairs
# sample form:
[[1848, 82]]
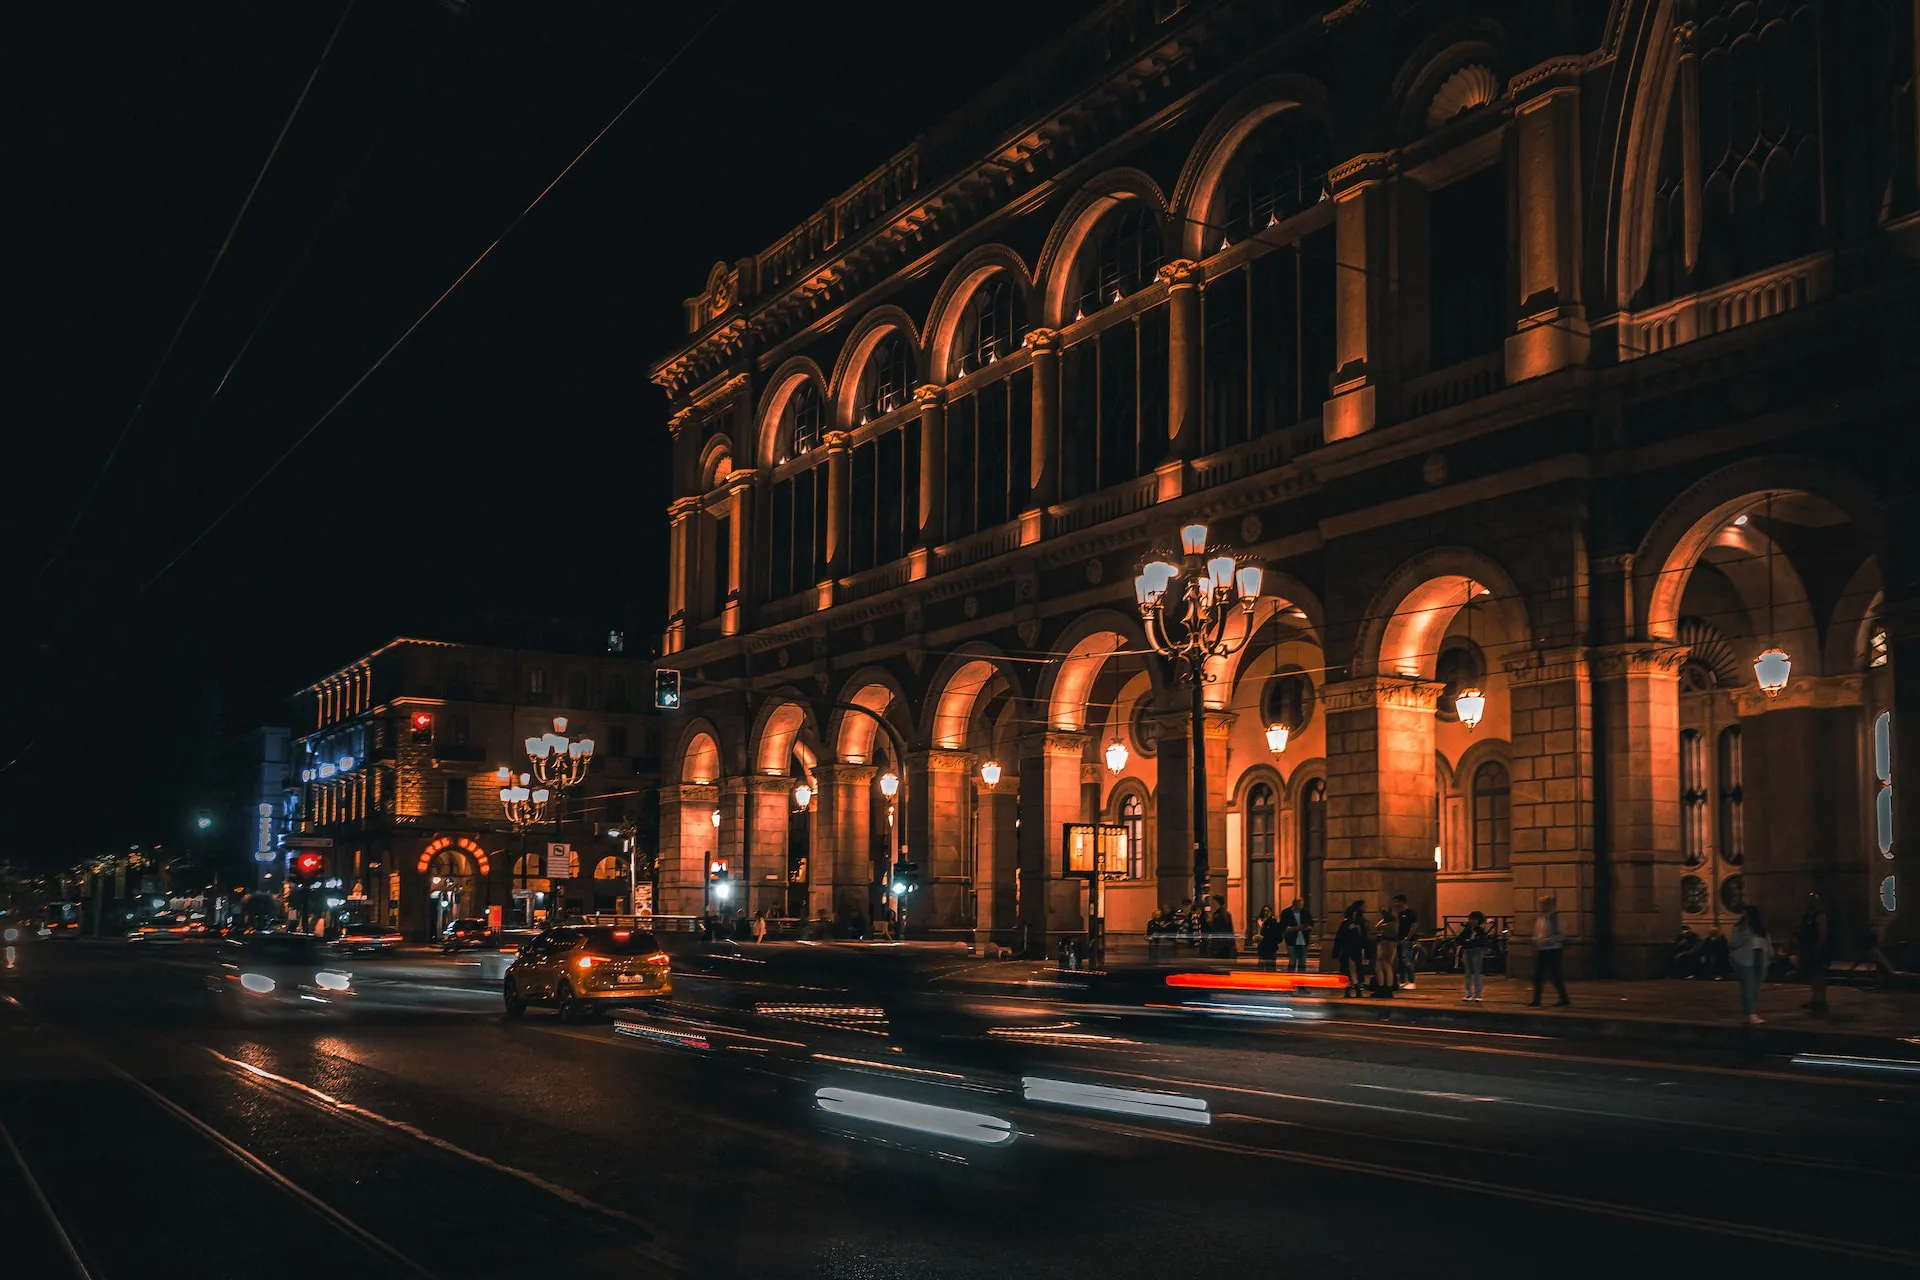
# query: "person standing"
[[1474, 942], [1750, 952], [1297, 928], [760, 925], [1406, 927], [1350, 947], [1267, 938], [1385, 945], [1549, 942], [1813, 939], [1223, 939]]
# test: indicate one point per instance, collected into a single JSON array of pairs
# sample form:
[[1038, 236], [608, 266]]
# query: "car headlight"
[[258, 983], [329, 980], [13, 935]]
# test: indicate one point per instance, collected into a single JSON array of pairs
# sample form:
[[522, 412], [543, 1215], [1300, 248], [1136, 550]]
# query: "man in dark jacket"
[[1407, 928], [1297, 925], [1813, 941]]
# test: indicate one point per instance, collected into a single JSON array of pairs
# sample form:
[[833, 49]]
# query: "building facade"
[[1551, 350], [395, 765]]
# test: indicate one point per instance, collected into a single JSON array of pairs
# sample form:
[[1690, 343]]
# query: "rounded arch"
[[716, 462], [957, 290], [787, 379], [1681, 534], [462, 851], [611, 867], [1231, 126], [699, 754], [1401, 631], [1498, 750], [1850, 631], [1309, 770], [844, 388], [852, 733], [1294, 607], [1258, 772], [1086, 645], [1635, 164], [957, 687], [1054, 269], [1459, 45], [785, 729]]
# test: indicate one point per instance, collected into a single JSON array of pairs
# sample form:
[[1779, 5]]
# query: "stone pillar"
[[685, 453], [1634, 750], [680, 569], [844, 836], [1552, 333], [1551, 818], [997, 872], [1043, 466], [932, 521], [1049, 799], [839, 503], [730, 841], [940, 839], [1362, 281], [767, 802], [1173, 817], [686, 840], [1380, 793], [1184, 329], [1219, 729], [739, 562]]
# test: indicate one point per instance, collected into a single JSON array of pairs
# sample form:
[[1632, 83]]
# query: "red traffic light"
[[308, 864]]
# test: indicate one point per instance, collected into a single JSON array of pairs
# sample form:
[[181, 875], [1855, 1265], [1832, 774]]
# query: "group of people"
[[1377, 953], [1748, 954], [714, 927], [1207, 927]]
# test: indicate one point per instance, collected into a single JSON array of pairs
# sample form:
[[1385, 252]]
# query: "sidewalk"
[[1694, 1013]]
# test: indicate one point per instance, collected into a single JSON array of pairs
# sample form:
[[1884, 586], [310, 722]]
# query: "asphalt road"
[[757, 1130]]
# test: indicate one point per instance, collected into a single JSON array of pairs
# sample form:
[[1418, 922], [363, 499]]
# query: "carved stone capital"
[[1091, 773], [941, 760], [1686, 39], [1220, 724], [769, 783], [840, 771], [1394, 692], [836, 441], [1044, 340], [1657, 660], [1546, 666], [740, 480], [704, 794], [1181, 273], [929, 395]]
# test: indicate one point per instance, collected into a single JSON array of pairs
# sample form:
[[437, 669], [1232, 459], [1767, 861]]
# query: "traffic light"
[[308, 866], [666, 689], [423, 727], [719, 885]]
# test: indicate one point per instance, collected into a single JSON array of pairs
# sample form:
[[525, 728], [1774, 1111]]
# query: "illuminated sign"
[[1095, 843], [263, 835]]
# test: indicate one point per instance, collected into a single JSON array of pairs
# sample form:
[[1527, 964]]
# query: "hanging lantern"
[[1771, 669], [990, 773], [1116, 755], [803, 795], [889, 785], [1277, 738], [716, 819], [1470, 704]]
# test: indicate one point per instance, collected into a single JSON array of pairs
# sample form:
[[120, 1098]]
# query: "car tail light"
[[585, 962], [658, 957]]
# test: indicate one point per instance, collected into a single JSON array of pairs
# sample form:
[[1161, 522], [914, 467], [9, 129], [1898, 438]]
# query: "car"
[[469, 932], [262, 973], [365, 939], [174, 928], [578, 969]]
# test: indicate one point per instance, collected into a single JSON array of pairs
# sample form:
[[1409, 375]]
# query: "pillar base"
[[1546, 343]]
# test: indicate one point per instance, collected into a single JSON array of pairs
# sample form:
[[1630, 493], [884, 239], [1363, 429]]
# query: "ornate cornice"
[[1661, 660], [1547, 666], [701, 793], [1360, 170], [1394, 692], [839, 771], [1803, 692], [1554, 73], [681, 508]]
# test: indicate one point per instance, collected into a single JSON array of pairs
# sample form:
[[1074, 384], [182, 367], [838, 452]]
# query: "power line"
[[126, 429]]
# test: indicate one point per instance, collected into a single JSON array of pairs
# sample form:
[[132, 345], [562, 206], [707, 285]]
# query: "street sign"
[[559, 861], [1094, 847]]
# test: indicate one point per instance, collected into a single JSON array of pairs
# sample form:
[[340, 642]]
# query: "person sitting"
[[1714, 956], [1685, 960]]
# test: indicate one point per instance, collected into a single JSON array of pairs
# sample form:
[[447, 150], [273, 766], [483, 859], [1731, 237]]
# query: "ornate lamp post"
[[558, 763], [1185, 608]]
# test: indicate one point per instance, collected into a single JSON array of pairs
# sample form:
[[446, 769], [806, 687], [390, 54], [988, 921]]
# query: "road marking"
[[1282, 1097], [572, 1197], [46, 1206], [1744, 1073], [1577, 1204]]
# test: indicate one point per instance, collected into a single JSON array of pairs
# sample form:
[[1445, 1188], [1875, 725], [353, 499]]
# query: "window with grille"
[[802, 421], [1268, 341], [1492, 796], [888, 380], [1260, 845], [1693, 797], [1467, 267], [1280, 170], [991, 326], [1113, 404], [1733, 840], [1120, 257], [988, 439], [1133, 817], [799, 550]]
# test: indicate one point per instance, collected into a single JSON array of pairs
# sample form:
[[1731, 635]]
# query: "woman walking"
[[1751, 952], [1350, 947], [1474, 941]]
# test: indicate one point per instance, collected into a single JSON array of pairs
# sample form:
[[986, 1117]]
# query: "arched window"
[[1491, 798], [1693, 797], [887, 380], [1260, 844], [1313, 846], [802, 421], [991, 325], [1279, 170], [1120, 257], [1733, 837], [1883, 783], [1133, 817], [610, 868]]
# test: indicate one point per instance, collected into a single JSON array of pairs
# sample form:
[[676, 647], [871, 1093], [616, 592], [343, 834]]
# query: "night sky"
[[509, 457]]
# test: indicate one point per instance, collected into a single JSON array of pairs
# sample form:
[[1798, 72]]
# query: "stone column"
[[1552, 333], [767, 802], [686, 840], [685, 451], [1380, 792], [1049, 799], [1219, 729], [1043, 467], [1551, 815], [844, 835], [730, 841], [839, 503], [1184, 329], [1362, 282], [739, 563], [996, 874], [1173, 817], [1635, 752], [940, 838], [932, 521], [680, 569]]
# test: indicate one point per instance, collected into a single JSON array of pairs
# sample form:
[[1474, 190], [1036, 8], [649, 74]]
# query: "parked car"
[[578, 969], [461, 934]]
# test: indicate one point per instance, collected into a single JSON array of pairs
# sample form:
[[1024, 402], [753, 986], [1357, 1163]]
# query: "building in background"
[[394, 769], [1556, 352]]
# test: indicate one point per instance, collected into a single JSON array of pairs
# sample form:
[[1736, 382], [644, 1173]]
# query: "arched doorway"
[[454, 885]]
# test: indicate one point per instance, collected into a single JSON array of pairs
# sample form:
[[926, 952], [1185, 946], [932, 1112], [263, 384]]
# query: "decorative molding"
[[1395, 692], [1468, 89], [1064, 743], [702, 793], [929, 395], [1547, 666], [1620, 661], [1360, 170], [944, 760], [1803, 692], [1554, 73], [1043, 339], [1182, 273], [841, 771]]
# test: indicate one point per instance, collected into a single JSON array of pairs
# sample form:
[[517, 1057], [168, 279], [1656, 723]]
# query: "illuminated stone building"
[[395, 764], [1556, 349]]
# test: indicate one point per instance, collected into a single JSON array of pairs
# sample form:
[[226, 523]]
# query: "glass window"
[[1491, 800], [887, 382], [537, 680], [1467, 276], [617, 740], [1693, 797], [1260, 829], [1119, 258], [1883, 773], [1288, 700], [802, 421], [1277, 172], [1733, 840], [991, 326], [1133, 816], [1313, 845], [456, 795]]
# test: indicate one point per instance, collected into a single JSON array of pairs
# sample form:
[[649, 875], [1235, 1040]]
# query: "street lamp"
[[558, 763], [1190, 629], [990, 773], [802, 796]]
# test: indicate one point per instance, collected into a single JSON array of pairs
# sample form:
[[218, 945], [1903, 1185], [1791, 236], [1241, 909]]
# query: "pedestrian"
[[1157, 925], [1223, 942], [1750, 952], [1350, 947], [1267, 938], [760, 925], [1474, 941], [1297, 925], [1549, 941], [1813, 937], [1385, 948], [741, 929], [1407, 928]]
